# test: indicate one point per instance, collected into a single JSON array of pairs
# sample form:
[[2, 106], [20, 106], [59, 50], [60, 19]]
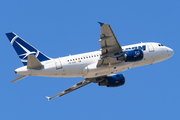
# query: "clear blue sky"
[[59, 28]]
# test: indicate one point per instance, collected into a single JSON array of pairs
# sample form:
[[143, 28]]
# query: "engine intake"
[[113, 81]]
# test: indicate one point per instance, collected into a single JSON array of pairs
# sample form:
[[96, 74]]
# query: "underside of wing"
[[19, 78], [74, 87]]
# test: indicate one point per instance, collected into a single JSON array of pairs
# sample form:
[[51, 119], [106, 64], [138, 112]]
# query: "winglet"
[[49, 98], [101, 23]]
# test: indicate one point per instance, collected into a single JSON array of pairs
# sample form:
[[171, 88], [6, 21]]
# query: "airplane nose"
[[170, 52]]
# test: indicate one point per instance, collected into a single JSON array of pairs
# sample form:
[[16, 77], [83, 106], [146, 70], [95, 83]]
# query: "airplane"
[[102, 66]]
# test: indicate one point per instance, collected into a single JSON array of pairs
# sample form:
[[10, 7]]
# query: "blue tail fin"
[[24, 49]]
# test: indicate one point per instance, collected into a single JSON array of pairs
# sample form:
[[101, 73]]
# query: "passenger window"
[[86, 57], [144, 47], [70, 60], [89, 57], [94, 55], [128, 48], [139, 47], [134, 48]]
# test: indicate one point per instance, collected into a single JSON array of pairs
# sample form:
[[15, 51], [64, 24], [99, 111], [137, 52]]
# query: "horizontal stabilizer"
[[33, 62], [18, 78]]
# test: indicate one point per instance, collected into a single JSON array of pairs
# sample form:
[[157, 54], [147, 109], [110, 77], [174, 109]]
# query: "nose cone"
[[170, 52]]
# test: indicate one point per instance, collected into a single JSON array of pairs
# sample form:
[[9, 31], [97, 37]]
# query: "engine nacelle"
[[113, 81], [132, 56]]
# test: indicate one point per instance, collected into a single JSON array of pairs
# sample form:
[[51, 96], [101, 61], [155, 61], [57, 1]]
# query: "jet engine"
[[113, 81], [132, 56]]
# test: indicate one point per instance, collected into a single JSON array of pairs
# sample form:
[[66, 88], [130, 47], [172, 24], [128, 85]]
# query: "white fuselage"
[[84, 65]]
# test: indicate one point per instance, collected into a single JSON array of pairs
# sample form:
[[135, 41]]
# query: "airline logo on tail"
[[25, 55], [24, 49]]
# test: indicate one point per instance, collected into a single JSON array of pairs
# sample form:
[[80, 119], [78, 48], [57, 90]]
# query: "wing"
[[19, 78], [74, 87], [110, 47]]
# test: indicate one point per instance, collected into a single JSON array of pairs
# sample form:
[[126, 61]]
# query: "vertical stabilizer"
[[24, 49]]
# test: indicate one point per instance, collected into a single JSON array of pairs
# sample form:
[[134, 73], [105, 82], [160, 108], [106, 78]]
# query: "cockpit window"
[[160, 45]]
